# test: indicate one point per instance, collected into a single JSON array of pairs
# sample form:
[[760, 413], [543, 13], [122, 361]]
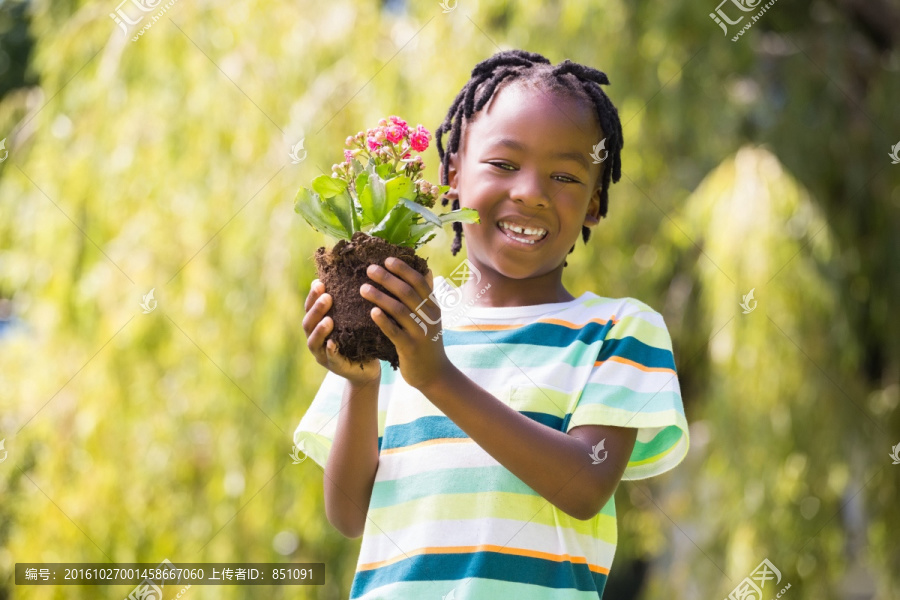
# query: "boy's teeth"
[[525, 230]]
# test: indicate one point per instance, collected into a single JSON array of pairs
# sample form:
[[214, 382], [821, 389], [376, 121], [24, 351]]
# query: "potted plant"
[[376, 204]]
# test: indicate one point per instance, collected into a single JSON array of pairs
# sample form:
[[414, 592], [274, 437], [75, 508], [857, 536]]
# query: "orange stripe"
[[571, 325], [486, 548], [428, 443], [636, 365], [483, 327]]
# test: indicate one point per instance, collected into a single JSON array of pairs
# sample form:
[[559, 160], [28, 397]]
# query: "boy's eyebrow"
[[578, 157]]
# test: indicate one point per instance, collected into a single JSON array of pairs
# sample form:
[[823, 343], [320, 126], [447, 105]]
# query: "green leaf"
[[364, 200], [395, 227], [310, 206], [399, 187], [341, 205], [384, 170], [418, 208], [417, 233], [373, 199], [328, 187], [356, 167], [463, 215]]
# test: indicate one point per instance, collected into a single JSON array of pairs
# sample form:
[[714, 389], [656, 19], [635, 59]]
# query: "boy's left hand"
[[422, 360]]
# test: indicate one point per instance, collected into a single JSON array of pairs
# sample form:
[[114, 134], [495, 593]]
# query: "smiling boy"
[[489, 467]]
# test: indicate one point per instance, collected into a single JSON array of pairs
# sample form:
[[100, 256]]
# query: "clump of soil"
[[343, 271]]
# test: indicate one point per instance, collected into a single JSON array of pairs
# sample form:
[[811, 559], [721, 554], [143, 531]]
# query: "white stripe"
[[615, 373], [474, 532], [451, 455]]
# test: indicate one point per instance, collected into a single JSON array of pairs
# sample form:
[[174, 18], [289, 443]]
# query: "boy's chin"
[[511, 268]]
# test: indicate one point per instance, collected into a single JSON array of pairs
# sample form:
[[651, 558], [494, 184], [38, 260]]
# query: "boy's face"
[[525, 163]]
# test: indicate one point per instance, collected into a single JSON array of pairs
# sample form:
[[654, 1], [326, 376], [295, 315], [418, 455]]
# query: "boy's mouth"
[[522, 233]]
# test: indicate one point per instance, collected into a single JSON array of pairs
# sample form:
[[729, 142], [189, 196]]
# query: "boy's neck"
[[503, 291]]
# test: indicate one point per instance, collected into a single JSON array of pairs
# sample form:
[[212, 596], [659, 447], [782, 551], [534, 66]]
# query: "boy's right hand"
[[317, 327]]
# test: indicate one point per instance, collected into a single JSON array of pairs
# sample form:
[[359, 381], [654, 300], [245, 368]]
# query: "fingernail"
[[365, 287]]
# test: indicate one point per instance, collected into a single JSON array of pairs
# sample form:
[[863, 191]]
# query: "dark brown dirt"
[[343, 271]]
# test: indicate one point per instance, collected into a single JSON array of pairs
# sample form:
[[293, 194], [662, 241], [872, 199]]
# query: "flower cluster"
[[379, 190], [391, 142]]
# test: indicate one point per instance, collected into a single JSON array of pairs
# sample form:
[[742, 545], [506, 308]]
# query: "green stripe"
[[495, 505], [487, 588], [664, 441], [617, 396], [646, 332], [500, 355]]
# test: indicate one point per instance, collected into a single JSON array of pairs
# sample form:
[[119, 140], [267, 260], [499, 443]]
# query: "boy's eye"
[[567, 179], [508, 167]]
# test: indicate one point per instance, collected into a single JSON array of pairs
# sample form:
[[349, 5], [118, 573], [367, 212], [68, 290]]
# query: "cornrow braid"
[[577, 80]]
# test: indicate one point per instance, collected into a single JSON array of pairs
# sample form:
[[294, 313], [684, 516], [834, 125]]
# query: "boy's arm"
[[558, 466], [353, 460]]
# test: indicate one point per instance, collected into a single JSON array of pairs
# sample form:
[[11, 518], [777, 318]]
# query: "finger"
[[316, 340], [415, 279], [387, 326], [315, 290], [388, 304], [316, 313], [399, 288]]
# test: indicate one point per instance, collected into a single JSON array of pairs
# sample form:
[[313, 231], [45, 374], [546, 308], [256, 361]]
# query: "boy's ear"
[[452, 177], [592, 216]]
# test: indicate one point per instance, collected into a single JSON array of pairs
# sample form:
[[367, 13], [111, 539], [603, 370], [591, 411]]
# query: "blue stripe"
[[537, 334], [421, 430], [635, 350], [424, 429], [485, 565]]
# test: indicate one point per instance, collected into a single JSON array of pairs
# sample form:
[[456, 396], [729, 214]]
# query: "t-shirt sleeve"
[[315, 433], [633, 383]]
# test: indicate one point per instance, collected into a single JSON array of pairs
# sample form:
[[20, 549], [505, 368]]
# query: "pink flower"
[[348, 155], [394, 134], [419, 139], [373, 144]]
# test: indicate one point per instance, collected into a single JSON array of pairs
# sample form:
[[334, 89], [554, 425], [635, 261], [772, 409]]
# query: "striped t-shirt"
[[446, 520]]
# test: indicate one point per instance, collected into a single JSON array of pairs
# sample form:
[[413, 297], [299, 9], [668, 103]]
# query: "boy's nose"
[[530, 191]]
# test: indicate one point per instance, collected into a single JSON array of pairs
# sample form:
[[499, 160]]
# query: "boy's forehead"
[[517, 111]]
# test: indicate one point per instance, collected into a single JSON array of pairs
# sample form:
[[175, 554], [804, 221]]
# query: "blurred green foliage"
[[163, 164]]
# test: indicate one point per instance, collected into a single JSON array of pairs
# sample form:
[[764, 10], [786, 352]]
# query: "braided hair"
[[574, 79]]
